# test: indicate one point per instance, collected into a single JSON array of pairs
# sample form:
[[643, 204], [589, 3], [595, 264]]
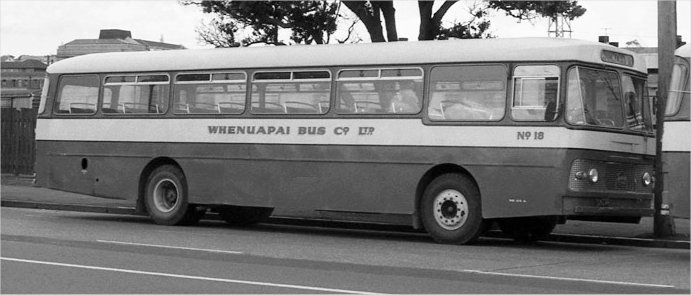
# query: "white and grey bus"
[[447, 136]]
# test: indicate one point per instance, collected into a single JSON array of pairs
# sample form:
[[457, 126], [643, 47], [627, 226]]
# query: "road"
[[46, 251]]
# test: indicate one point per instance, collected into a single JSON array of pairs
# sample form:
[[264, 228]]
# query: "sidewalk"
[[20, 192]]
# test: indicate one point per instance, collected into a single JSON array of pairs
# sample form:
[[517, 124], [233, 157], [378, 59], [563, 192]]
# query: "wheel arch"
[[144, 175], [428, 177]]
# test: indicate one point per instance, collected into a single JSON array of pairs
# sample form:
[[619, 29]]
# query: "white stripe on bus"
[[384, 132], [676, 136]]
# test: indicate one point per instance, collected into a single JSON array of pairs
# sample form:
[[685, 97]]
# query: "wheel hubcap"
[[165, 195], [450, 209]]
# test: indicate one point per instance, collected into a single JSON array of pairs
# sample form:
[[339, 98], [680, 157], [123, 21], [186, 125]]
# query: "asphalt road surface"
[[45, 251]]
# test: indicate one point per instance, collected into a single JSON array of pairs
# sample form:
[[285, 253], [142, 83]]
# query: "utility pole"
[[666, 44], [561, 25]]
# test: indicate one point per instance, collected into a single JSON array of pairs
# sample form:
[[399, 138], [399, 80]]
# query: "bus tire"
[[244, 216], [527, 229], [451, 210], [166, 197]]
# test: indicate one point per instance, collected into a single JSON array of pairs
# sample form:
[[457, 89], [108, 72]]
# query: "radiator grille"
[[613, 176]]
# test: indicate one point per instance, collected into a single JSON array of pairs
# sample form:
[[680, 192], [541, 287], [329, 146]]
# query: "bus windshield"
[[594, 98]]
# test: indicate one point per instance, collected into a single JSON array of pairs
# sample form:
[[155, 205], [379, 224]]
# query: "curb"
[[286, 220]]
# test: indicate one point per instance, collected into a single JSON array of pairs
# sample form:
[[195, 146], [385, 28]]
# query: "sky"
[[38, 27]]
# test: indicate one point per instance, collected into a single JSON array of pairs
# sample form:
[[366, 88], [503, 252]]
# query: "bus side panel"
[[348, 178], [377, 179], [504, 187], [93, 168], [339, 178], [383, 179], [676, 146], [206, 168], [677, 192]]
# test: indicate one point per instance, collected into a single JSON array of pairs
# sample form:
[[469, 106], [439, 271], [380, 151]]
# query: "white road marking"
[[301, 287], [470, 271], [170, 247], [566, 279]]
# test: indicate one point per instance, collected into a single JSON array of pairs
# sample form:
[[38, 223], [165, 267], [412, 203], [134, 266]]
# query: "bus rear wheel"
[[243, 216], [527, 229], [451, 210], [166, 198]]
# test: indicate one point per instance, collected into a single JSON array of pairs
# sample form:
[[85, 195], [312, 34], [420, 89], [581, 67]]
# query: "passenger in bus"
[[633, 115], [347, 102], [406, 101], [550, 108]]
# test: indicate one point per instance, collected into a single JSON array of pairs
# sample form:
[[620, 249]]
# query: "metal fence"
[[18, 147]]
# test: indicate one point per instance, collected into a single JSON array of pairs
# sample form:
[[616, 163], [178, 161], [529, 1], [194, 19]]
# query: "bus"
[[676, 142], [447, 136]]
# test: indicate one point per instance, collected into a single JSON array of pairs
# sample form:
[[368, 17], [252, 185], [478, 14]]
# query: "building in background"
[[21, 81], [22, 77], [111, 40], [649, 54]]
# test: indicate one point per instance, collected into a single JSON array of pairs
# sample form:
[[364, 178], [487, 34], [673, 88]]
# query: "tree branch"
[[442, 11], [369, 17]]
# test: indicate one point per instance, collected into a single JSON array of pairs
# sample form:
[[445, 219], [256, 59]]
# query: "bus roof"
[[296, 56]]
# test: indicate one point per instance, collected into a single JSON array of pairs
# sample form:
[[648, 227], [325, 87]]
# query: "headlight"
[[593, 175], [647, 179]]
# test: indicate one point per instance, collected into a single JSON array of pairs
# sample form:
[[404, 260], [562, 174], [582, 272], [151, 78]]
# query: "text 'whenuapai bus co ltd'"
[[447, 136]]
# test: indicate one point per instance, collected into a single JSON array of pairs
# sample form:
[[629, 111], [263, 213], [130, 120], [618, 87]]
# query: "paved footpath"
[[20, 192]]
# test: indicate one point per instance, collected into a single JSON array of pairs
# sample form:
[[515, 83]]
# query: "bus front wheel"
[[451, 210], [166, 198]]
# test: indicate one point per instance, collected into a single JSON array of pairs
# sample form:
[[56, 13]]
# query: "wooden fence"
[[18, 147]]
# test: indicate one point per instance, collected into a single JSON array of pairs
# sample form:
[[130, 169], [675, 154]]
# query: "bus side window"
[[467, 93], [132, 94], [380, 91], [294, 92], [536, 93], [77, 95], [210, 93]]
